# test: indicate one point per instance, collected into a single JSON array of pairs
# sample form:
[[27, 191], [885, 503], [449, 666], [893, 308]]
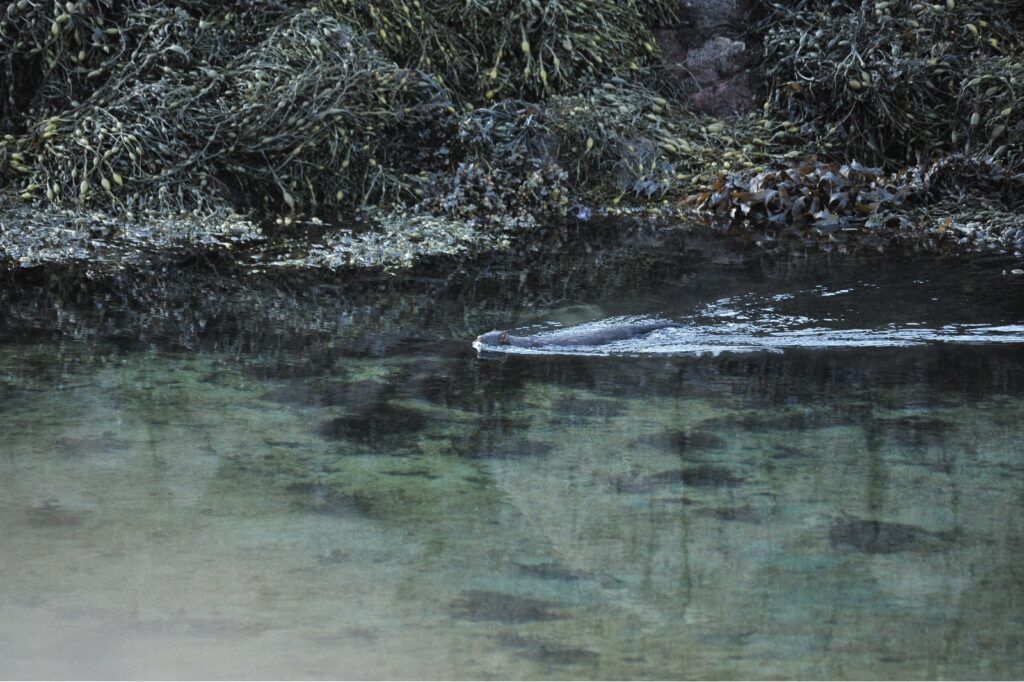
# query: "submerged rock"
[[744, 513], [784, 452], [379, 426], [352, 395], [50, 514], [323, 498], [879, 537], [582, 407], [544, 652], [695, 441], [911, 431], [484, 605], [549, 571], [708, 63], [702, 476], [413, 473]]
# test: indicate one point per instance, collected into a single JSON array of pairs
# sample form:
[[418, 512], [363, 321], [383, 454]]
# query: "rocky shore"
[[740, 117]]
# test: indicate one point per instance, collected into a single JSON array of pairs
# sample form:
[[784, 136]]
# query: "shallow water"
[[381, 502]]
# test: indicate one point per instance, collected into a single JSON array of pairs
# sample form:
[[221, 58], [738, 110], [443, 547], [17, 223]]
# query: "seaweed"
[[898, 83], [297, 119], [831, 205], [438, 118]]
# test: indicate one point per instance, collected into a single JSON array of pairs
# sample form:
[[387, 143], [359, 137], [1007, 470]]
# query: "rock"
[[380, 426], [709, 64], [548, 571], [726, 99], [548, 654], [715, 15], [716, 59], [484, 605], [50, 514], [702, 476], [323, 498], [879, 537]]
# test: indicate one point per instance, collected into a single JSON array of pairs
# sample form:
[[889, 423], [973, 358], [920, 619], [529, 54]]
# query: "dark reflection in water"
[[505, 608], [879, 537], [348, 491]]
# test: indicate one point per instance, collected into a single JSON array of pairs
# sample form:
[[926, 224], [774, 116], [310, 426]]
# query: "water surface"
[[360, 495]]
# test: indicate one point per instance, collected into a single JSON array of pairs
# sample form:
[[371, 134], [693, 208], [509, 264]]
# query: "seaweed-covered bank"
[[350, 134]]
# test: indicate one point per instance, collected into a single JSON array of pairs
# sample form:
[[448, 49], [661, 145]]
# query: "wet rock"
[[717, 58], [34, 236], [379, 426], [879, 537], [484, 605], [729, 97], [723, 87], [707, 62]]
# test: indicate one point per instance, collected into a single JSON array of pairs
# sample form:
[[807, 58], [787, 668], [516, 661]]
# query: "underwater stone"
[[543, 652], [342, 394], [782, 452], [744, 513], [414, 473], [702, 476], [50, 514], [549, 571], [483, 605], [695, 441], [322, 498], [587, 408], [878, 537], [379, 425], [909, 431]]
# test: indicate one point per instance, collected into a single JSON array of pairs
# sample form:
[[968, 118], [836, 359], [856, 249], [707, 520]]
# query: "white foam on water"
[[734, 325]]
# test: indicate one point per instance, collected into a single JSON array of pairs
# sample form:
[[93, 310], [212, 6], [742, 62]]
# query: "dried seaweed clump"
[[899, 83], [310, 116], [495, 49]]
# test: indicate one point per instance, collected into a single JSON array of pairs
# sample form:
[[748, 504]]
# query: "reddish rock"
[[708, 64], [730, 97]]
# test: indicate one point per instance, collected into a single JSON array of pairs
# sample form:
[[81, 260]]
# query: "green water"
[[380, 502]]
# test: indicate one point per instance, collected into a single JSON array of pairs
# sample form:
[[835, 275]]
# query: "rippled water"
[[384, 503], [749, 324]]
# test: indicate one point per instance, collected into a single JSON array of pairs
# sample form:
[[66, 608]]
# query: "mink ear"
[[503, 338]]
